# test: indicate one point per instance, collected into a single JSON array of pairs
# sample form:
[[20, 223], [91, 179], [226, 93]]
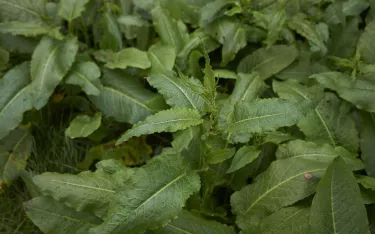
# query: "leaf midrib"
[[21, 7], [84, 186]]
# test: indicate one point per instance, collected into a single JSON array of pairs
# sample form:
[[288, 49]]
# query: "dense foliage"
[[188, 116]]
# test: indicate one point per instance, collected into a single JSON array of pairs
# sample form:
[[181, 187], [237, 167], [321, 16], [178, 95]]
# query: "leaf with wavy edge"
[[170, 120], [71, 9], [52, 216], [83, 125], [15, 98], [50, 62], [282, 184], [27, 29], [155, 195], [22, 10]]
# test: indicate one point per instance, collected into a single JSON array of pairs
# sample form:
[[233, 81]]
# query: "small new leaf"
[[83, 125]]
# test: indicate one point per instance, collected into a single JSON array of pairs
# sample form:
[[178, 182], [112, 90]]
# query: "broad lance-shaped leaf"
[[360, 92], [289, 220], [366, 46], [338, 206], [322, 153], [367, 140], [229, 32], [86, 75], [162, 58], [294, 91], [50, 62], [24, 28], [177, 92], [170, 120], [129, 57], [15, 98], [86, 192], [107, 32], [268, 62], [25, 11], [15, 149], [243, 156], [154, 196], [219, 155], [171, 31], [366, 181], [263, 115], [83, 125], [124, 98], [188, 223], [54, 217], [283, 183], [71, 9], [331, 122]]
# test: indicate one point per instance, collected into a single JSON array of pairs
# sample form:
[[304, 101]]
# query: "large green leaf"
[[171, 31], [188, 223], [230, 33], [170, 120], [322, 153], [337, 206], [124, 98], [366, 45], [155, 195], [50, 62], [162, 58], [54, 217], [268, 62], [15, 97], [86, 192], [24, 28], [131, 57], [83, 125], [331, 122], [71, 9], [214, 10], [282, 184], [289, 220], [15, 149], [178, 92], [367, 139], [107, 32], [360, 92], [263, 115], [86, 75], [293, 90], [243, 156], [26, 11]]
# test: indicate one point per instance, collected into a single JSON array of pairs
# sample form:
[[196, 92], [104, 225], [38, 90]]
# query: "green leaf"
[[366, 181], [353, 8], [27, 29], [226, 74], [156, 194], [321, 153], [367, 138], [243, 156], [289, 220], [170, 120], [231, 34], [337, 206], [331, 122], [124, 98], [263, 115], [131, 25], [71, 9], [300, 69], [15, 98], [188, 223], [366, 45], [18, 44], [214, 10], [54, 217], [220, 155], [268, 62], [107, 33], [26, 11], [86, 75], [171, 31], [294, 91], [162, 58], [83, 125], [85, 192], [359, 92], [50, 62], [15, 149], [282, 184], [129, 57], [178, 92], [312, 32]]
